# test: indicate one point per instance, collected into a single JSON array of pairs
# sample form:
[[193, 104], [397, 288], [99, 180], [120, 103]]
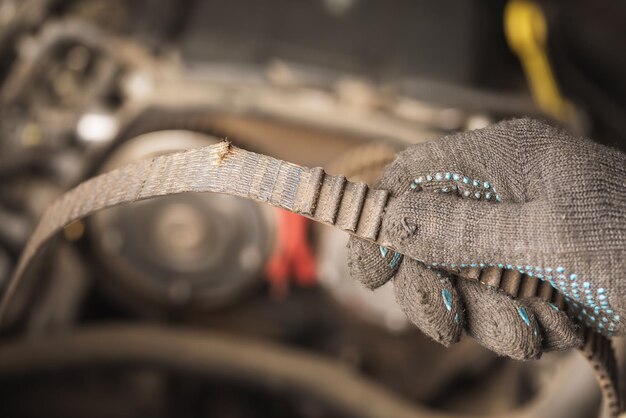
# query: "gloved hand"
[[517, 195]]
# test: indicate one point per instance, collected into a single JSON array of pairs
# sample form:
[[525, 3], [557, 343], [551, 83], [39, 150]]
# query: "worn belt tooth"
[[558, 300], [612, 361], [545, 291], [608, 360], [510, 282], [309, 192], [472, 273], [599, 351], [372, 214], [590, 339], [330, 196], [602, 350], [491, 276], [351, 206], [607, 351], [528, 287], [610, 353]]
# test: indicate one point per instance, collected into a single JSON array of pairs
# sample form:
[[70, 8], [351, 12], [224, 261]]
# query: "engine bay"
[[206, 305]]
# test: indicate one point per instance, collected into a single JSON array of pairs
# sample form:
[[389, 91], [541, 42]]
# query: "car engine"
[[208, 305]]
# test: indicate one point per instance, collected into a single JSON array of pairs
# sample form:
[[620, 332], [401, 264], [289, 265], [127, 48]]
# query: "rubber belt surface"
[[332, 200]]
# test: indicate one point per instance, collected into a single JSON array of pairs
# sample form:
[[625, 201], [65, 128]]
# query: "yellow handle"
[[526, 32]]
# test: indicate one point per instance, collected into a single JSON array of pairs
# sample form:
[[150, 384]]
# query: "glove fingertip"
[[430, 301], [501, 324], [370, 264], [559, 333]]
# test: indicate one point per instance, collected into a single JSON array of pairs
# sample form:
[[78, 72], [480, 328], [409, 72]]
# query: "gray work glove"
[[519, 195]]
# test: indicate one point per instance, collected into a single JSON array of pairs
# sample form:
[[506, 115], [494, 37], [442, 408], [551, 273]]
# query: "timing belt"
[[331, 200]]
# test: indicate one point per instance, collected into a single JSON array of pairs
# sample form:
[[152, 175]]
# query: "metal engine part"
[[190, 251]]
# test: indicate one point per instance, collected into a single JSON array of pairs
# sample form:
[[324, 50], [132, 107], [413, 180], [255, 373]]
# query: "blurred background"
[[213, 306]]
